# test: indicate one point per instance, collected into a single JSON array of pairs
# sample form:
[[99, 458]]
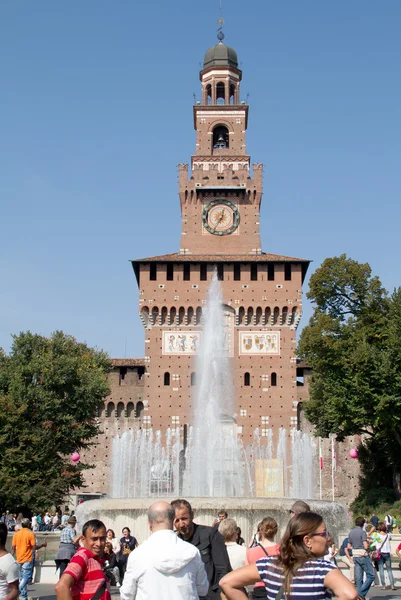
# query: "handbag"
[[376, 554]]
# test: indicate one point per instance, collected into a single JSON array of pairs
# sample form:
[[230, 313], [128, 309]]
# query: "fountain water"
[[212, 462], [211, 467]]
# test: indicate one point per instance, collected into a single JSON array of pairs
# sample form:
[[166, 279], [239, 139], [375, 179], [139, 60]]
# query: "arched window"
[[190, 315], [273, 379], [241, 315], [232, 94], [120, 409], [145, 315], [284, 315], [220, 93], [276, 315], [258, 319], [164, 315], [138, 410], [249, 316], [193, 379], [199, 315], [110, 409], [173, 312], [208, 94], [166, 378], [181, 315], [267, 315], [155, 314], [293, 313], [247, 379], [130, 409], [220, 137]]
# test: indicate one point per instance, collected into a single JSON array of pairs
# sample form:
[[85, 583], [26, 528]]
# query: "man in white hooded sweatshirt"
[[164, 567]]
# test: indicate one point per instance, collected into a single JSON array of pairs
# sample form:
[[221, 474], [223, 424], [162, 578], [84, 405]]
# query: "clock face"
[[220, 217]]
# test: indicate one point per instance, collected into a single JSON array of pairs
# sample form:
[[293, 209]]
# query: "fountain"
[[209, 464]]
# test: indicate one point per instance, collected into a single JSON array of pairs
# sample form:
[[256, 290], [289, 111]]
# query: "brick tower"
[[220, 198]]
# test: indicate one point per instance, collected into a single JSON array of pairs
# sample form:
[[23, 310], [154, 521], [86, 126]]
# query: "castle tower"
[[220, 197]]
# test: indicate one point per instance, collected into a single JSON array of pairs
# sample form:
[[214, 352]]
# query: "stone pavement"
[[46, 591]]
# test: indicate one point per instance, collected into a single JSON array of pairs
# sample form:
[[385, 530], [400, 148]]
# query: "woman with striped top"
[[298, 572]]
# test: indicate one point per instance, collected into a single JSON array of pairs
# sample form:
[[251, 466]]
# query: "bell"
[[221, 143]]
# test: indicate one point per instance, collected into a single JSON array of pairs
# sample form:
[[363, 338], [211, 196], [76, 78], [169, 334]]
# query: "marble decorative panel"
[[259, 342], [177, 342]]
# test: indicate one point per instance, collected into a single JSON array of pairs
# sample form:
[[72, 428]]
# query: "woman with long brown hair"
[[298, 572]]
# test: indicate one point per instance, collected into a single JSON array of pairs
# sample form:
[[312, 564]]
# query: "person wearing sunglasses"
[[298, 571]]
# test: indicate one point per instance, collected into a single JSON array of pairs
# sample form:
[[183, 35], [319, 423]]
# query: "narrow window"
[[203, 272], [153, 272], [123, 372], [187, 272], [237, 271], [254, 272], [138, 410], [273, 379], [287, 271], [141, 372], [170, 272], [167, 378], [270, 271], [247, 379], [193, 379], [220, 271]]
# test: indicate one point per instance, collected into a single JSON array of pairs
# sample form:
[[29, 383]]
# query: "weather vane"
[[220, 23]]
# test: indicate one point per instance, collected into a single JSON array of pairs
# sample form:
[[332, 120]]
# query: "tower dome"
[[220, 55]]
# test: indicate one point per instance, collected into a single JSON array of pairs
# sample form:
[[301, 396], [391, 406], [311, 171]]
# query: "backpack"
[[343, 546]]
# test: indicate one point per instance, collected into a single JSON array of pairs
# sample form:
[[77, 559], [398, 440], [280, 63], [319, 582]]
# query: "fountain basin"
[[248, 512]]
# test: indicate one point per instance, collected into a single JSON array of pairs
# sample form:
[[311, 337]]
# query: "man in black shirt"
[[209, 542]]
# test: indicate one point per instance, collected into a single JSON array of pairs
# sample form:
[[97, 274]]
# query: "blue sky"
[[96, 113]]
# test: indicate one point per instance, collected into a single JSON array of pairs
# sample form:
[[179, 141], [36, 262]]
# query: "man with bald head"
[[164, 566]]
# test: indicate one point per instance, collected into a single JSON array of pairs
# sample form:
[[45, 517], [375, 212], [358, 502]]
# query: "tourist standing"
[[84, 579], [358, 543], [265, 547], [221, 515], [24, 546], [298, 508], [209, 542], [128, 543], [383, 551], [68, 545], [164, 566], [9, 570], [298, 571], [236, 553], [111, 538], [374, 519], [388, 522]]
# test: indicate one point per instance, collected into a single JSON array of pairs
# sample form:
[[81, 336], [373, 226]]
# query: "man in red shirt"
[[84, 579]]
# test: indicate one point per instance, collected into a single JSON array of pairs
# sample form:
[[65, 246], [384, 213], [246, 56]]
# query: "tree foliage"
[[353, 345], [50, 390]]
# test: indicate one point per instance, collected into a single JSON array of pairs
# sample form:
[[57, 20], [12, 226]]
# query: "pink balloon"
[[353, 453], [75, 457]]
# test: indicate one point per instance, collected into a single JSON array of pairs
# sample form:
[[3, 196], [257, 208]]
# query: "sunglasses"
[[324, 534]]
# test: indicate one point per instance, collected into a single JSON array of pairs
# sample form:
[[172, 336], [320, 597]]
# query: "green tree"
[[353, 344], [50, 390]]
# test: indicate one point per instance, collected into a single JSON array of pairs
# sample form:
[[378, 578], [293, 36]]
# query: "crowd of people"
[[182, 559]]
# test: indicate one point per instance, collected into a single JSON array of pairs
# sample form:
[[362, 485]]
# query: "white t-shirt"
[[386, 546], [9, 572], [236, 554]]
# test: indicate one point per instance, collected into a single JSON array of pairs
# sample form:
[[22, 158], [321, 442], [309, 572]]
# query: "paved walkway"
[[46, 590]]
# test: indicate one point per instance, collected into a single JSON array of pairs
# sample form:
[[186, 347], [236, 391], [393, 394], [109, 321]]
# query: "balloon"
[[353, 453], [75, 457]]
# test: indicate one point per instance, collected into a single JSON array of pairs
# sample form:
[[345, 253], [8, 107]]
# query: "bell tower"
[[220, 200]]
